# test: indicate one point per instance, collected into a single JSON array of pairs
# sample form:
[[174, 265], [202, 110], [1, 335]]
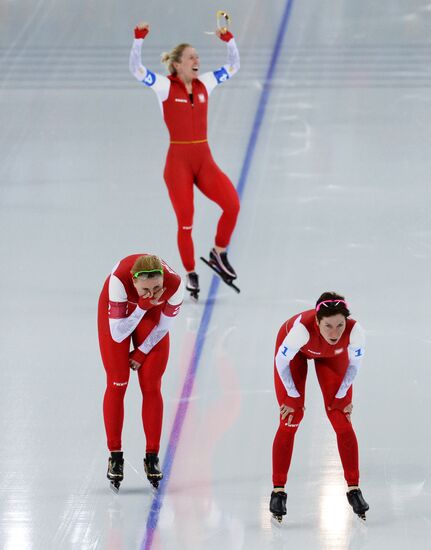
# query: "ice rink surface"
[[333, 148]]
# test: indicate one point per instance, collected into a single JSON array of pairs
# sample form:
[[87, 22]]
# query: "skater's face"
[[332, 328], [148, 288], [188, 68]]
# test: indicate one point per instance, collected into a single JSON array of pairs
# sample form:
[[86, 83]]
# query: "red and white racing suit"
[[189, 161], [120, 321], [336, 365]]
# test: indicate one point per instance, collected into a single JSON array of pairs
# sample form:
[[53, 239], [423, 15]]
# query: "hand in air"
[[224, 35], [142, 29]]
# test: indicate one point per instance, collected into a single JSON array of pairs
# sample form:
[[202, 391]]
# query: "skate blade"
[[362, 517], [155, 481], [225, 278], [277, 521], [115, 487], [194, 296]]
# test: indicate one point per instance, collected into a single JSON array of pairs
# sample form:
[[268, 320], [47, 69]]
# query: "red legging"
[[330, 373], [189, 164], [115, 359]]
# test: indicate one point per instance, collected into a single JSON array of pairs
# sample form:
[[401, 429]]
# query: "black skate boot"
[[115, 470], [357, 502], [152, 469], [220, 261], [277, 505], [192, 285]]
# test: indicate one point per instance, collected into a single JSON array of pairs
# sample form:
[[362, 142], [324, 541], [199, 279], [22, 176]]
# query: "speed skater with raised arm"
[[183, 99]]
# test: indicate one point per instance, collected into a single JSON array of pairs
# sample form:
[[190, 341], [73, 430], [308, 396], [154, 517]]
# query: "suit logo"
[[149, 79], [221, 75]]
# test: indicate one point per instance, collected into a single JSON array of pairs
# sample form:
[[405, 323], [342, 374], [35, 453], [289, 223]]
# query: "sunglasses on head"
[[330, 303], [136, 275]]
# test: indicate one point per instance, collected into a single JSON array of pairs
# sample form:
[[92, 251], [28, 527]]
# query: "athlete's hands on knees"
[[224, 35], [343, 405], [289, 413], [142, 29], [136, 358], [285, 410]]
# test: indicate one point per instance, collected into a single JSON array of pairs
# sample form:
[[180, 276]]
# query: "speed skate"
[[223, 276]]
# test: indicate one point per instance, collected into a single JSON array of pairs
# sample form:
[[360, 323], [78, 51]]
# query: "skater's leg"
[[115, 357], [150, 379], [330, 373], [216, 186], [179, 181]]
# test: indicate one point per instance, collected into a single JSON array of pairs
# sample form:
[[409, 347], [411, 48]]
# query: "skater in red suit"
[[183, 99], [335, 343], [137, 305]]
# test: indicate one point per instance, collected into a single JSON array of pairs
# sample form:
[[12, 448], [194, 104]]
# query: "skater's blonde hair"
[[147, 267], [174, 56]]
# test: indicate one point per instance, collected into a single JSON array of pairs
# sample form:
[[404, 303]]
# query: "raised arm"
[[211, 79], [157, 82]]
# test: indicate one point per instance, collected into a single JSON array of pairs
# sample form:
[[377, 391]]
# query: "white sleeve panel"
[[158, 332], [211, 79], [122, 328], [297, 337], [177, 298], [158, 83], [356, 352], [233, 61], [117, 292], [357, 336]]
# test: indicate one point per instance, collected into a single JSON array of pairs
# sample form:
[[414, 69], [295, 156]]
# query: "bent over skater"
[[137, 305], [335, 343]]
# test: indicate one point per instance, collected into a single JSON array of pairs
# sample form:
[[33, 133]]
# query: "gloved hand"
[[142, 30], [292, 415], [226, 36], [137, 356], [146, 303], [340, 404]]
